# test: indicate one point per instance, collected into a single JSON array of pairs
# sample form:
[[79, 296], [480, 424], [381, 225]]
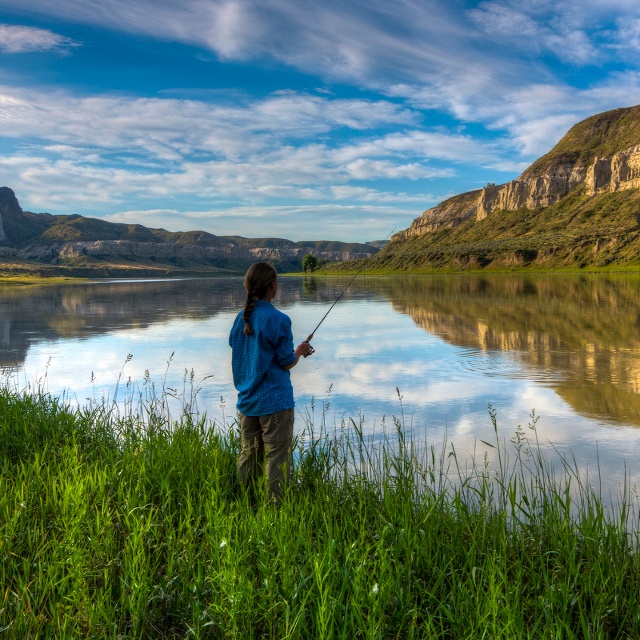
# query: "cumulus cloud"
[[119, 146], [20, 39], [473, 64], [296, 222]]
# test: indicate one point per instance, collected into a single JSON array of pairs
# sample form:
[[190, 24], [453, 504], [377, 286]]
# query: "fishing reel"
[[311, 349]]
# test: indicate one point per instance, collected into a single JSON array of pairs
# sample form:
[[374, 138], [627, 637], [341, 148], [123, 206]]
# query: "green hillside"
[[74, 227], [581, 230], [39, 244], [600, 135]]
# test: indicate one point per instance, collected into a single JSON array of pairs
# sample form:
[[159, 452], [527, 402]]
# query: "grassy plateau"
[[126, 522]]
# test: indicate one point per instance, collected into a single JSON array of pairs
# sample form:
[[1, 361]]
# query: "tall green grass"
[[127, 523]]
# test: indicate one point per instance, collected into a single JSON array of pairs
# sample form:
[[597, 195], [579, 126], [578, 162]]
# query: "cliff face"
[[131, 250], [8, 204], [78, 241], [586, 155], [619, 172]]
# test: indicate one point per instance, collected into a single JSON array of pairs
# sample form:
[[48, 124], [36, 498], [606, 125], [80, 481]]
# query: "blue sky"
[[295, 118]]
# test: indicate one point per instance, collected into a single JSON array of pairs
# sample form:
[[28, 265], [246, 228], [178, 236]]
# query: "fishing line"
[[335, 302]]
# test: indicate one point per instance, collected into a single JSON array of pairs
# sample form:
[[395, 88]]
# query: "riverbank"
[[28, 272], [50, 274], [122, 523], [345, 269]]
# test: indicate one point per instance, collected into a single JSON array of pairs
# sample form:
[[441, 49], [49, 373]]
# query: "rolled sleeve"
[[283, 344]]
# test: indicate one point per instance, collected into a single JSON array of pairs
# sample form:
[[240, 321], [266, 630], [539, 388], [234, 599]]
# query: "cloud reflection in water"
[[566, 347]]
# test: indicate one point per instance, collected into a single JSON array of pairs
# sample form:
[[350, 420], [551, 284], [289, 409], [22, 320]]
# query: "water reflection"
[[576, 335], [579, 335], [33, 314], [567, 346]]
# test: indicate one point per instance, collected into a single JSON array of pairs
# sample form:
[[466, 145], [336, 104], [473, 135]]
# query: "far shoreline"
[[22, 277]]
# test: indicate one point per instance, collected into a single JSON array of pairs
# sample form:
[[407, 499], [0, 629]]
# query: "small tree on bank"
[[309, 263]]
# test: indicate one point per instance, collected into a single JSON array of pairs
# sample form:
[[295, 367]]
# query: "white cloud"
[[527, 28], [20, 39], [533, 115], [406, 42], [315, 148], [171, 128], [366, 169], [113, 149], [457, 58], [473, 64], [363, 194], [629, 36], [295, 222], [316, 37]]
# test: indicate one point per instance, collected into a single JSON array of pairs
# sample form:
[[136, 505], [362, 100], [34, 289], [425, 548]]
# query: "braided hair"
[[256, 281]]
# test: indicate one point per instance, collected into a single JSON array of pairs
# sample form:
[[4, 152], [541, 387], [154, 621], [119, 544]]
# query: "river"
[[433, 351]]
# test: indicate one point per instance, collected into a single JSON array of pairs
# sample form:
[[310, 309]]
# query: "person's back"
[[262, 355], [259, 360]]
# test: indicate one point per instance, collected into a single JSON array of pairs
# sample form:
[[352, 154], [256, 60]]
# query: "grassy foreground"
[[122, 525]]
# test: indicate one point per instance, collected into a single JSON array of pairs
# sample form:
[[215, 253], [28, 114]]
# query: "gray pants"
[[266, 441]]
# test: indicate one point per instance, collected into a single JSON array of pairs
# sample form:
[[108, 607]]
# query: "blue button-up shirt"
[[264, 386]]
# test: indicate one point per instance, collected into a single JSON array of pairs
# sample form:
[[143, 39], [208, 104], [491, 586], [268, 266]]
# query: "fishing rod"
[[335, 302]]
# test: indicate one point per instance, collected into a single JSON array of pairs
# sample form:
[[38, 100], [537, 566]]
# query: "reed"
[[129, 523]]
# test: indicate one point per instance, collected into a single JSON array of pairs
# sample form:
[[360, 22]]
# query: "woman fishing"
[[262, 355]]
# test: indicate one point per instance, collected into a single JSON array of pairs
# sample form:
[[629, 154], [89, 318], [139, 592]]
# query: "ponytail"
[[248, 310], [256, 281]]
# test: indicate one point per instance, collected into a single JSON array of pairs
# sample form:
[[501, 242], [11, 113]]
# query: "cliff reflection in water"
[[33, 314], [578, 334]]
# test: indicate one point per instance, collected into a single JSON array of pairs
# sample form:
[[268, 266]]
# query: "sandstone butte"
[[578, 205], [74, 245]]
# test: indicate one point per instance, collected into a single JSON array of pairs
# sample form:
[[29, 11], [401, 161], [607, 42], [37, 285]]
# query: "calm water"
[[568, 347]]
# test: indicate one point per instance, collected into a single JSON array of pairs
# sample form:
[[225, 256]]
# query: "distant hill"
[[577, 206], [79, 246]]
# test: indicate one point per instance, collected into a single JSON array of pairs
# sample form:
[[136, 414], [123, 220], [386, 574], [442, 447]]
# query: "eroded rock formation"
[[167, 250], [8, 201], [31, 238], [534, 190]]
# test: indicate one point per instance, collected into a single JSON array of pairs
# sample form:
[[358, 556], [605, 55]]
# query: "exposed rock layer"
[[168, 251], [602, 152], [616, 173], [51, 239], [8, 202]]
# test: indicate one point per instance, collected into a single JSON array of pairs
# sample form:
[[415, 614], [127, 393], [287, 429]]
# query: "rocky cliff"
[[8, 203], [76, 241], [578, 206], [131, 250], [602, 153]]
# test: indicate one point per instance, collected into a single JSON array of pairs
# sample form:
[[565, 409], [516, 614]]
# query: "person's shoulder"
[[236, 323], [281, 315], [239, 316], [275, 317]]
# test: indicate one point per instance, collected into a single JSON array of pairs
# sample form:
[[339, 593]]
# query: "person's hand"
[[304, 349]]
